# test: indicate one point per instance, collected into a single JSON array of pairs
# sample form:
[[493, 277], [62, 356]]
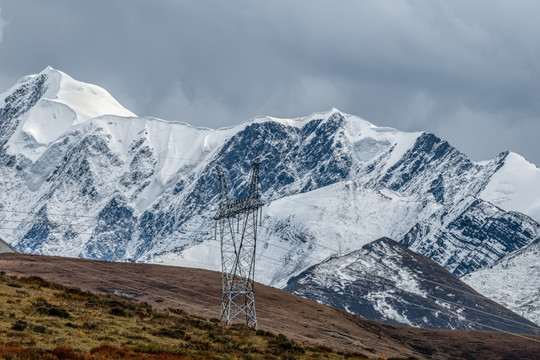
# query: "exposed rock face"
[[470, 236]]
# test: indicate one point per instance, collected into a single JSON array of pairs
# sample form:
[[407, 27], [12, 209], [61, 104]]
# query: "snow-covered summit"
[[88, 101], [515, 186], [57, 104]]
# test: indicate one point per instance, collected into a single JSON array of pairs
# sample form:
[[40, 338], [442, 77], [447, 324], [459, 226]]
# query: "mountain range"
[[82, 176]]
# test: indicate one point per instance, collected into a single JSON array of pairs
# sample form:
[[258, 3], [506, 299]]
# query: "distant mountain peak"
[[51, 103], [49, 70], [86, 100], [385, 281]]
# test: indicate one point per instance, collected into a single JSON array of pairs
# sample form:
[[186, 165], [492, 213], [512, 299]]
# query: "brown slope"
[[198, 292]]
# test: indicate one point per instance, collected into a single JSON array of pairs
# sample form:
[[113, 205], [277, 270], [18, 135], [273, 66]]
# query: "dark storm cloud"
[[466, 70]]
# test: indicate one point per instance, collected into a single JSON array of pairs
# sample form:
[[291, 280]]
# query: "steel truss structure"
[[236, 223]]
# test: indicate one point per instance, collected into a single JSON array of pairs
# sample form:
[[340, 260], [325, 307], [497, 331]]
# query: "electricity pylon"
[[236, 222]]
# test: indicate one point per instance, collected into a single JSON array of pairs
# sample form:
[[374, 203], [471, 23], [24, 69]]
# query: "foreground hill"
[[45, 320], [385, 281], [198, 292]]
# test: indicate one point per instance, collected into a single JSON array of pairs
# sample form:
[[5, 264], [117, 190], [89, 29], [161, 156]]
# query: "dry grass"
[[43, 320]]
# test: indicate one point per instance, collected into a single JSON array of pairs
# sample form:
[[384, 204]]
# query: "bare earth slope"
[[198, 292]]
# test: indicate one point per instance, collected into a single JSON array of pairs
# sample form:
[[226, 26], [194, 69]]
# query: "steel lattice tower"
[[236, 222]]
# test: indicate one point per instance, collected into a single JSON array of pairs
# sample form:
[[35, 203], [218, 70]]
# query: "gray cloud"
[[2, 25], [462, 69]]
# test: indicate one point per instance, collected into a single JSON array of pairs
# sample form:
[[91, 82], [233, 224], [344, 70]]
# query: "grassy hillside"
[[44, 320]]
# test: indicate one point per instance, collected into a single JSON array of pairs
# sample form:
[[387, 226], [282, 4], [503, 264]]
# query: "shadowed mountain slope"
[[385, 281]]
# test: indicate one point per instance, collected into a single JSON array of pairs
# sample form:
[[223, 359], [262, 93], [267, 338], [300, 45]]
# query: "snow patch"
[[515, 187], [513, 281]]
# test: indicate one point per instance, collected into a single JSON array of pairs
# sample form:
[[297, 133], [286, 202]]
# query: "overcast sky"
[[466, 70]]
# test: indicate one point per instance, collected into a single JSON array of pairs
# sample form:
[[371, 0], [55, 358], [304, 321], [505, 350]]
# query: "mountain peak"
[[334, 111], [56, 102], [86, 100], [383, 279], [296, 122], [48, 70], [515, 192]]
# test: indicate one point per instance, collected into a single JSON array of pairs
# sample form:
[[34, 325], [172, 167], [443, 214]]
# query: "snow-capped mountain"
[[82, 176], [41, 108], [513, 281], [385, 281]]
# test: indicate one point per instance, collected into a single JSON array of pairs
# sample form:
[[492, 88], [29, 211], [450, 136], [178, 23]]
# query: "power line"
[[39, 231], [279, 262], [44, 231], [52, 214], [190, 237], [269, 259], [476, 295], [75, 216], [72, 215], [476, 323], [53, 223], [316, 244], [186, 223]]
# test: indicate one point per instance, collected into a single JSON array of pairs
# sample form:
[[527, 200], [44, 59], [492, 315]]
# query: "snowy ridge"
[[475, 234]]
